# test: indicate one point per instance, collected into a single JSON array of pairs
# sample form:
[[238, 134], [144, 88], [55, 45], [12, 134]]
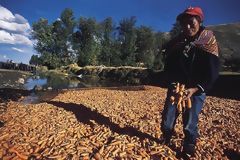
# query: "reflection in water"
[[56, 82], [61, 82], [32, 82], [32, 98]]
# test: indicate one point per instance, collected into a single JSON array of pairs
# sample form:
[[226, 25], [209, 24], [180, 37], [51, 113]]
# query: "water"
[[53, 81], [57, 82], [32, 82], [49, 85]]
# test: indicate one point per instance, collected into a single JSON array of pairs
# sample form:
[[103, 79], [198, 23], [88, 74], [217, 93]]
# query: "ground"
[[112, 123]]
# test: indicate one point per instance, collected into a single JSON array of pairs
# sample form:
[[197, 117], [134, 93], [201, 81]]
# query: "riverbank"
[[13, 78], [112, 123], [226, 86], [12, 86]]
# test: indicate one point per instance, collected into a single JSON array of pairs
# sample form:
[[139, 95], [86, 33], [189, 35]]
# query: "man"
[[192, 60]]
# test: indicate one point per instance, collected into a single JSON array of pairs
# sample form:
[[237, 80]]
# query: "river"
[[35, 88]]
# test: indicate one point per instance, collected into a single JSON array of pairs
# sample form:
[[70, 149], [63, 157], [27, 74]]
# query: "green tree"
[[68, 24], [160, 39], [176, 30], [127, 37], [54, 41], [42, 33], [116, 53], [145, 46], [59, 45], [52, 61], [87, 41], [35, 60], [106, 56], [45, 45]]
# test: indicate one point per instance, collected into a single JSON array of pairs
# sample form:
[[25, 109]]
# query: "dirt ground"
[[113, 123]]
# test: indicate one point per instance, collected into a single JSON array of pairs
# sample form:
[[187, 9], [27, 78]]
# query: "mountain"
[[228, 37]]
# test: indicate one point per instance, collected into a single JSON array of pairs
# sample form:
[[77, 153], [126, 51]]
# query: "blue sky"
[[17, 16]]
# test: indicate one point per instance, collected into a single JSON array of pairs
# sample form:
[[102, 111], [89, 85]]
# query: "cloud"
[[17, 49], [6, 14], [14, 29], [11, 38]]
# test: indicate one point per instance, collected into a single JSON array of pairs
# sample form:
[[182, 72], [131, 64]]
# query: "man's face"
[[190, 26]]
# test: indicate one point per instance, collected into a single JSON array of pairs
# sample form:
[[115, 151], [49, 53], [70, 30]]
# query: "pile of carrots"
[[178, 97]]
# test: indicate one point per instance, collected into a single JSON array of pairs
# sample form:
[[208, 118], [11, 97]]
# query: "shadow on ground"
[[85, 114], [10, 94], [226, 86], [231, 154]]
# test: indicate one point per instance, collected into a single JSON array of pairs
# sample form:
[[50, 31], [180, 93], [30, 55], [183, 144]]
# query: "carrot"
[[177, 88], [180, 100], [189, 103], [183, 103], [21, 156], [179, 107], [97, 156], [182, 87]]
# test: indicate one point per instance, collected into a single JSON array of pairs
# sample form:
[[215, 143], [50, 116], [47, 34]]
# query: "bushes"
[[133, 75]]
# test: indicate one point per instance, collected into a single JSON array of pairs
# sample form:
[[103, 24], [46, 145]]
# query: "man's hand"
[[189, 92]]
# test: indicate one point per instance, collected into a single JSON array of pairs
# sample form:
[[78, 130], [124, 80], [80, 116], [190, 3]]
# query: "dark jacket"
[[192, 64]]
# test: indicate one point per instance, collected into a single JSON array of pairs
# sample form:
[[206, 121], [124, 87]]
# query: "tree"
[[116, 53], [106, 56], [68, 21], [35, 60], [52, 61], [58, 35], [42, 33], [68, 24], [45, 46], [87, 41], [127, 37], [145, 46], [176, 30], [160, 39]]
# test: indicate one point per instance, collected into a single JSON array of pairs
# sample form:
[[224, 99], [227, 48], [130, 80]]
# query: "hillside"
[[228, 36]]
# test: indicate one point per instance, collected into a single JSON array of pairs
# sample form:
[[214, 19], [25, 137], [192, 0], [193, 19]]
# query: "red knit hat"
[[194, 11]]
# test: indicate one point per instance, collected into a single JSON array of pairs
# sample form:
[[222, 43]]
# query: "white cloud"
[[11, 38], [17, 49], [20, 19], [14, 29], [6, 14]]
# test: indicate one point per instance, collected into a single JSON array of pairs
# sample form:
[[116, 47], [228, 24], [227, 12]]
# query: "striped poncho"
[[207, 42]]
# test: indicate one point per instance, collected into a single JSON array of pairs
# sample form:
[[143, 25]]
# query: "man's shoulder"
[[207, 32], [207, 42]]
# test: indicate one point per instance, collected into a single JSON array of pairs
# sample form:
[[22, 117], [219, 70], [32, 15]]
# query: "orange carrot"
[[189, 103]]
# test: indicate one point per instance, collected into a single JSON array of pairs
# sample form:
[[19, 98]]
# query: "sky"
[[17, 17]]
